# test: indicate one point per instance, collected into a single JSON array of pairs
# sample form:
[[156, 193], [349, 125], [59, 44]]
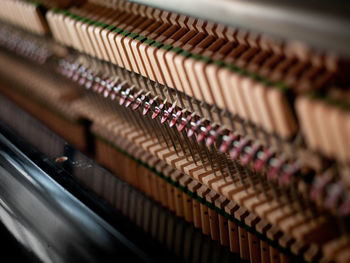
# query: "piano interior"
[[224, 125]]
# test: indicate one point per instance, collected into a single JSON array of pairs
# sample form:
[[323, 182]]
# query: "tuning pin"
[[213, 135], [146, 109], [128, 93], [203, 132], [124, 95], [81, 71], [168, 112], [106, 92], [157, 109], [148, 105], [191, 131], [65, 67], [116, 90], [148, 128], [249, 156], [237, 148], [185, 122], [74, 67], [140, 100], [210, 134], [110, 82], [176, 117], [247, 160], [262, 160], [82, 79], [132, 98], [113, 94], [227, 142], [78, 73], [101, 87], [180, 141], [90, 79], [172, 123], [195, 126], [69, 72], [96, 84]]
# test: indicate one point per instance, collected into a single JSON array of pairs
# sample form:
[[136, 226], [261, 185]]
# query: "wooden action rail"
[[300, 227], [208, 215], [187, 198], [151, 221]]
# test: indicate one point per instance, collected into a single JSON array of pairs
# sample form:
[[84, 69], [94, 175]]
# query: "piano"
[[185, 131]]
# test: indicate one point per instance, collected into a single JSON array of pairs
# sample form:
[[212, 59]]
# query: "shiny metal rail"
[[49, 221], [323, 24]]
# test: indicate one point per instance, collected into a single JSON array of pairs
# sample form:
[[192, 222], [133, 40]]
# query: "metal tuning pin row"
[[215, 147]]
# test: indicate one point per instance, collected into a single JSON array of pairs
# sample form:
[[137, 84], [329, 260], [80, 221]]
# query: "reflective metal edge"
[[322, 24], [49, 221]]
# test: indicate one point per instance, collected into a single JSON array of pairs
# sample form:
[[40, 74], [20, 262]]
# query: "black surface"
[[12, 250], [65, 177], [52, 223]]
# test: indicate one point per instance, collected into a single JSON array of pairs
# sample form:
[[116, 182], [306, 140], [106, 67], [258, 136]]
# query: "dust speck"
[[61, 159]]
